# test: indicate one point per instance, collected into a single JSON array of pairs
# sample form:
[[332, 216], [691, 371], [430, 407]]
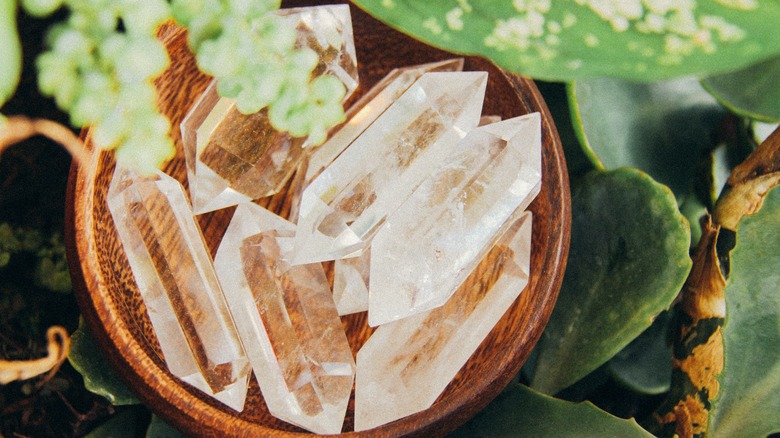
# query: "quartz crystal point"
[[351, 275], [349, 201], [350, 283], [288, 322], [360, 116], [178, 284], [234, 157], [407, 364], [431, 243]]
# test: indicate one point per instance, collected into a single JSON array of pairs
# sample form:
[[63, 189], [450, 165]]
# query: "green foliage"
[[51, 269], [102, 59], [627, 261], [520, 412], [99, 67], [10, 52], [252, 54], [751, 92], [160, 429], [665, 128], [122, 425], [99, 377], [645, 41], [749, 396], [645, 365]]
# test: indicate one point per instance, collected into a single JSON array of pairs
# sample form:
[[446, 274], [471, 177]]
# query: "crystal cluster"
[[347, 203], [234, 157], [419, 259], [178, 284], [418, 200]]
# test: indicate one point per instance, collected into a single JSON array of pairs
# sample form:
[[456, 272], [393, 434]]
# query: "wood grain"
[[116, 315]]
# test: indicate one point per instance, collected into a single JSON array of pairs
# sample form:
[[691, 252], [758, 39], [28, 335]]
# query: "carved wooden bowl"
[[116, 315]]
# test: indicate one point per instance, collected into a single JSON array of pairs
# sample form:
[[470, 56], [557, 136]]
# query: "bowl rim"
[[136, 367]]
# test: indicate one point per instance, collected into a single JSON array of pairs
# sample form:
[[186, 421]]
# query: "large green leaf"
[[627, 261], [664, 128], [522, 412], [124, 424], [749, 399], [158, 428], [635, 40], [99, 377], [645, 365], [556, 98], [753, 92]]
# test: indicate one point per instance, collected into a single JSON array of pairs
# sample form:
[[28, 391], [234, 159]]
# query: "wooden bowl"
[[116, 315]]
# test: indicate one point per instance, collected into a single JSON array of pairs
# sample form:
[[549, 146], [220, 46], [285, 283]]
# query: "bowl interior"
[[116, 314]]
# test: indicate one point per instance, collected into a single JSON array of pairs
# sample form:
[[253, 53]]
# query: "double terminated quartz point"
[[433, 241], [405, 365], [288, 322], [233, 157], [349, 201], [178, 284]]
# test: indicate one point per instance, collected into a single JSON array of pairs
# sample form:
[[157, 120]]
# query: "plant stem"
[[19, 128]]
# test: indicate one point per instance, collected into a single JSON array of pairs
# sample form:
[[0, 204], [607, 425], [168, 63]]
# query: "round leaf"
[[562, 41], [627, 261], [663, 129], [752, 92], [749, 396], [645, 365], [99, 377], [520, 411]]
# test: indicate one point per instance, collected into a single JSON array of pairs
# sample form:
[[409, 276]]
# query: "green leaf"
[[752, 92], [749, 397], [99, 377], [556, 98], [121, 425], [627, 261], [663, 129], [519, 412], [158, 428], [763, 130], [10, 52], [563, 41], [645, 365]]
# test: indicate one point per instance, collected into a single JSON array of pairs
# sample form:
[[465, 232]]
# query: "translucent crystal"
[[287, 320], [350, 283], [351, 275], [431, 243], [348, 202], [179, 287], [234, 157], [407, 364], [359, 116]]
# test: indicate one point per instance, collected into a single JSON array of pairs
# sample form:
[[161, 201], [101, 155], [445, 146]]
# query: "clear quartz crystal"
[[288, 322], [360, 116], [234, 157], [431, 243], [407, 364], [178, 284], [350, 283], [351, 275], [349, 201]]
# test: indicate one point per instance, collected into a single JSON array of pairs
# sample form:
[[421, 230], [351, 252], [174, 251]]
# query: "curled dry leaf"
[[59, 345], [749, 183], [698, 347]]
